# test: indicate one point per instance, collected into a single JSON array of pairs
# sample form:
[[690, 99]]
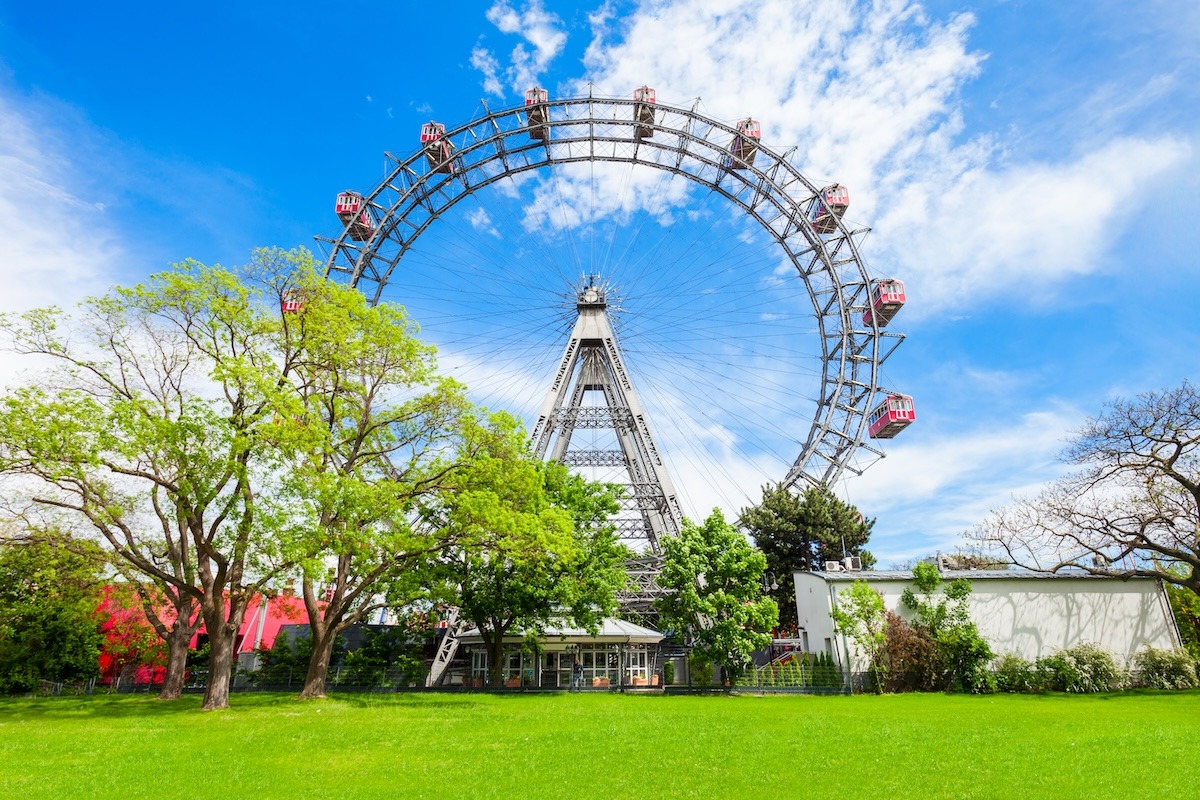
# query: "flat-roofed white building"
[[1027, 613]]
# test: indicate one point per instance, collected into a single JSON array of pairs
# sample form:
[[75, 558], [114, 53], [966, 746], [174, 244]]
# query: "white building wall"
[[1029, 616], [813, 602]]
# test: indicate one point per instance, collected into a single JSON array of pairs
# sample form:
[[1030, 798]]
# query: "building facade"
[[1025, 613], [620, 653]]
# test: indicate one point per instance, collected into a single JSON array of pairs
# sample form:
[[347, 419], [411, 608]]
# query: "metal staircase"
[[446, 650]]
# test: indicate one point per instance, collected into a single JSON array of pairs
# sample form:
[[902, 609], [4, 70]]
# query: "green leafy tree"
[[533, 544], [800, 532], [942, 611], [1185, 604], [51, 588], [151, 429], [366, 425], [860, 614], [714, 578], [386, 657]]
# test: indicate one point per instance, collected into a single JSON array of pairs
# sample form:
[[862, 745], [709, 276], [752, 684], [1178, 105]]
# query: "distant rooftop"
[[611, 630], [952, 574]]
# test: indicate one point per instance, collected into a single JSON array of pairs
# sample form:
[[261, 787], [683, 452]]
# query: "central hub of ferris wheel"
[[592, 418]]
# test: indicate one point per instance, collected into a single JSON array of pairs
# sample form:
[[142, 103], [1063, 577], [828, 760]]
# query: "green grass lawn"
[[602, 746]]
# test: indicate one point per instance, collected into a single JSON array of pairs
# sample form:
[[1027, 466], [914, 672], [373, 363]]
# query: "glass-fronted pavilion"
[[621, 653]]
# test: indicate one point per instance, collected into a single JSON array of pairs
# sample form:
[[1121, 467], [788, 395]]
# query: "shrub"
[[825, 672], [387, 657], [1083, 668], [286, 662], [50, 588], [963, 656], [941, 611], [669, 673], [1165, 669], [911, 655], [806, 663], [700, 670], [1013, 674]]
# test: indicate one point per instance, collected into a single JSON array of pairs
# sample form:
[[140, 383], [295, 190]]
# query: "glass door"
[[636, 666]]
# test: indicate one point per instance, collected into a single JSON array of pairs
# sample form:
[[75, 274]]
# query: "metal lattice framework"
[[773, 192], [592, 364]]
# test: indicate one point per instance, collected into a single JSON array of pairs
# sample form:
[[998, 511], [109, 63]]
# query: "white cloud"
[[872, 94], [58, 245], [543, 33], [921, 471], [480, 220], [582, 194], [483, 60], [928, 492], [1030, 225]]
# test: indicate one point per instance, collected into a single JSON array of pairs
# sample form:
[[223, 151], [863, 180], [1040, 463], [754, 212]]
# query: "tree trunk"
[[318, 665], [178, 644], [220, 667], [221, 636], [323, 635], [495, 650]]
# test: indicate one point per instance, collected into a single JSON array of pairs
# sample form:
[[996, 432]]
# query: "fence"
[[795, 675], [48, 688]]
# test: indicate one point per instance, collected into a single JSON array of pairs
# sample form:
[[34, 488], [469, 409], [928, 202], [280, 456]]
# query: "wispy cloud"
[[480, 220], [58, 242], [933, 489], [544, 38], [1031, 225], [483, 60]]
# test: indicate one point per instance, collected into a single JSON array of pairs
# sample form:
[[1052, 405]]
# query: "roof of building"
[[846, 576], [611, 630]]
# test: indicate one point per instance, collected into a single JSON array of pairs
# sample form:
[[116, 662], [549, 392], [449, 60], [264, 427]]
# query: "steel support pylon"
[[592, 389]]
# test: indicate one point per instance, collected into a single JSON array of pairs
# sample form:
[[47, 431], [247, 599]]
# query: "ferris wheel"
[[746, 316]]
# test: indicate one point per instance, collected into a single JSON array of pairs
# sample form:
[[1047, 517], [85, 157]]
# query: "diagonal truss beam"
[[592, 365]]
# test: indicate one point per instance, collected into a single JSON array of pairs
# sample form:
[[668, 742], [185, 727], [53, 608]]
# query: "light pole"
[[769, 583]]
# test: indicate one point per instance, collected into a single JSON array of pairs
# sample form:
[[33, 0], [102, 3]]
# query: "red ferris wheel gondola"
[[537, 114], [438, 150], [351, 211], [644, 100], [745, 144], [887, 298], [891, 416], [831, 204]]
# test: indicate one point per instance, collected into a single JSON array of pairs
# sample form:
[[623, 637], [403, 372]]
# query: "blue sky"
[[1029, 169]]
